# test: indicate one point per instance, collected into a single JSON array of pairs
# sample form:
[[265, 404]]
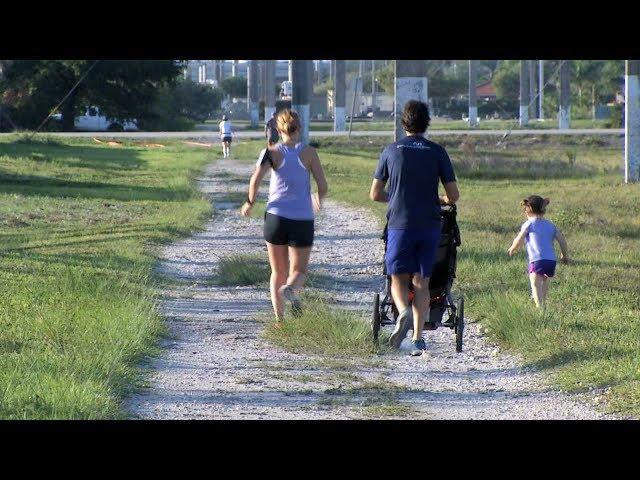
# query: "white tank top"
[[225, 128]]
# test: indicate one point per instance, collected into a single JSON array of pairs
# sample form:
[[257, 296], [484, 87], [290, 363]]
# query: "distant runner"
[[226, 134], [271, 130]]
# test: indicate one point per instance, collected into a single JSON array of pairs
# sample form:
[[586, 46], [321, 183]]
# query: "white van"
[[92, 121]]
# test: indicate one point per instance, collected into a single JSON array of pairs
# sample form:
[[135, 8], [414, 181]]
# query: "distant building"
[[485, 91], [204, 71]]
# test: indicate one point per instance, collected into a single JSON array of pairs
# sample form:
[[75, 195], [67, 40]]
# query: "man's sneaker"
[[418, 347], [403, 325]]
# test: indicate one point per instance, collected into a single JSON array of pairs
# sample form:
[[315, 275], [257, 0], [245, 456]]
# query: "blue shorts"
[[412, 250]]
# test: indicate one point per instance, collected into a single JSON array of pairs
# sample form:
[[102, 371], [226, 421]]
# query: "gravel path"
[[216, 365]]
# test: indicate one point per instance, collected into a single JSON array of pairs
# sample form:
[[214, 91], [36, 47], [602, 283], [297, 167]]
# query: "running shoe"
[[289, 295], [418, 347], [403, 325]]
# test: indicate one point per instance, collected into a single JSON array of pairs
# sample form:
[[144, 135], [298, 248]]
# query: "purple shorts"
[[543, 267]]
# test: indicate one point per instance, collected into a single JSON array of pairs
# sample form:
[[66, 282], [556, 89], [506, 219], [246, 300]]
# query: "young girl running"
[[538, 234]]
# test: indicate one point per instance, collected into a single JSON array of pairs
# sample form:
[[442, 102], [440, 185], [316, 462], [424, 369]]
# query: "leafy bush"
[[616, 117], [179, 107], [234, 86]]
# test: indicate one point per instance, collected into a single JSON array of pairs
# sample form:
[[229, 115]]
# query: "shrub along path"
[[218, 364]]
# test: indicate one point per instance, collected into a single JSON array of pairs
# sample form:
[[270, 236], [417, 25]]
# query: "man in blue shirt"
[[412, 168]]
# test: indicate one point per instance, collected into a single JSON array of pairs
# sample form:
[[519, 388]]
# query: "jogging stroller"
[[445, 311]]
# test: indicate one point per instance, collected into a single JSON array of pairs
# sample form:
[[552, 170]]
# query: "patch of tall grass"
[[242, 269]]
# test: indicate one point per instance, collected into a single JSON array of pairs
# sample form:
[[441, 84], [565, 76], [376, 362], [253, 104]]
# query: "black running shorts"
[[284, 231], [227, 139]]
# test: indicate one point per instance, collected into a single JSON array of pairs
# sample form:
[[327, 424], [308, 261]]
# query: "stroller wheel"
[[375, 317], [459, 328]]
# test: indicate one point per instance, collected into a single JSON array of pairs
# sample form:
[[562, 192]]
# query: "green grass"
[[590, 336], [323, 329], [378, 398], [360, 125], [79, 226], [242, 269], [513, 124]]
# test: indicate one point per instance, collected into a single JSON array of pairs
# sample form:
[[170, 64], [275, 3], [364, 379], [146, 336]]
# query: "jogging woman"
[[289, 215], [226, 135]]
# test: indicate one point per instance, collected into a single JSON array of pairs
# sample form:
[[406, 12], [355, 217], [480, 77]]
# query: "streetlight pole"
[[339, 95], [473, 100], [373, 89], [524, 93], [632, 121], [564, 117], [540, 89], [301, 71]]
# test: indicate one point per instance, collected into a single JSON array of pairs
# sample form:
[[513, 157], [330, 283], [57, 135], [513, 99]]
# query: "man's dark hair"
[[415, 117]]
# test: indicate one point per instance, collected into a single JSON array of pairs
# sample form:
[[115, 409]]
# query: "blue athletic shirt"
[[412, 168]]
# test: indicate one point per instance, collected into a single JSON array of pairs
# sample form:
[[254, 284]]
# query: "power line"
[[65, 97], [532, 100]]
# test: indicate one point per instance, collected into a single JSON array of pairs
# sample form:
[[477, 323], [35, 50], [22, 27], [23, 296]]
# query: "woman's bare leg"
[[279, 261], [298, 266]]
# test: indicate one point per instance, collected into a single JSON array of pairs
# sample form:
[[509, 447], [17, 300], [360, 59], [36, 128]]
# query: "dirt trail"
[[216, 364]]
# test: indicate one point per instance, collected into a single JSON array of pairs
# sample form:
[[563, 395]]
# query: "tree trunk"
[[68, 111]]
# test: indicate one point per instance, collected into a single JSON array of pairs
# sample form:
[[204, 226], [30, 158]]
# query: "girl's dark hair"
[[415, 117], [536, 203]]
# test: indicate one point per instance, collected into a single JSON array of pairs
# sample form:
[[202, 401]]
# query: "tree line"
[[154, 93]]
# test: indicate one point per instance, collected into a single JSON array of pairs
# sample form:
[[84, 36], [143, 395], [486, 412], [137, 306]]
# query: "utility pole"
[[331, 71], [234, 68], [411, 84], [269, 88], [473, 100], [253, 91], [262, 97], [540, 89], [339, 95], [291, 70], [302, 74], [632, 121], [532, 89], [524, 93], [564, 117], [373, 89]]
